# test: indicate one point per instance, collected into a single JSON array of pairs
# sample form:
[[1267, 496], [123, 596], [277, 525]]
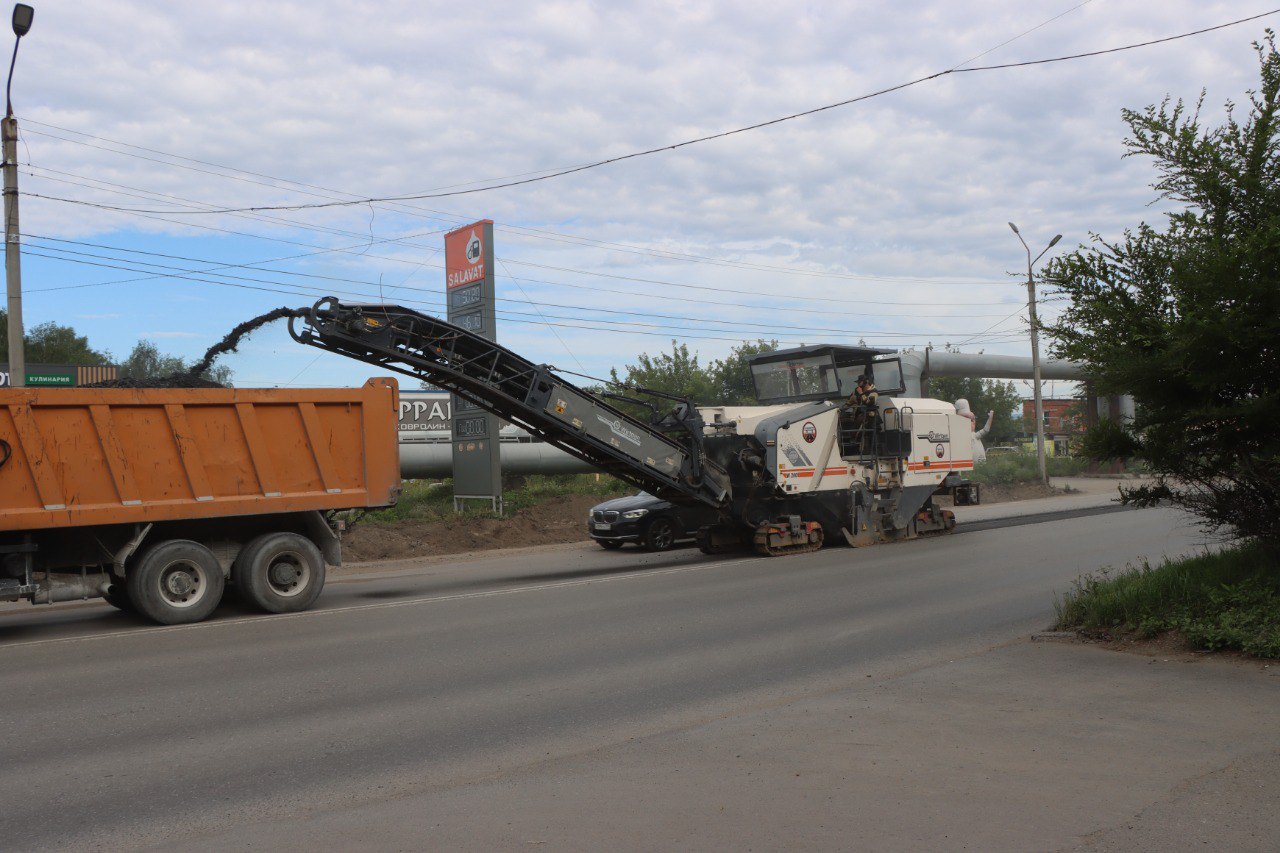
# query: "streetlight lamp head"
[[23, 15], [1054, 241], [1015, 229]]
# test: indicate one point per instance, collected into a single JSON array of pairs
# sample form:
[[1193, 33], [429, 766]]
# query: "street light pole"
[[22, 17], [1035, 349]]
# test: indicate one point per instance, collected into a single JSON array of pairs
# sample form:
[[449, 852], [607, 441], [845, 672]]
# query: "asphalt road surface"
[[405, 689]]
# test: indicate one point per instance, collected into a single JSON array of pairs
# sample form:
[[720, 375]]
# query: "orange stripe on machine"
[[809, 472]]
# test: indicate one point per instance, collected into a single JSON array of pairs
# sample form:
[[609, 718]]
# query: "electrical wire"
[[299, 290], [718, 325], [581, 308], [720, 135], [658, 282], [993, 326], [539, 310], [1040, 25], [525, 231], [442, 216]]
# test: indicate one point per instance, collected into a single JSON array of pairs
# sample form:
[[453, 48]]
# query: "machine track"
[[787, 536]]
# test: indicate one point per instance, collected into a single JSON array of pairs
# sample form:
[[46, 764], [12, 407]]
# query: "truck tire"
[[280, 573], [175, 582]]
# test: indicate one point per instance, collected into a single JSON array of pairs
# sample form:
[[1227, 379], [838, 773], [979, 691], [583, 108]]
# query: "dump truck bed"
[[100, 456]]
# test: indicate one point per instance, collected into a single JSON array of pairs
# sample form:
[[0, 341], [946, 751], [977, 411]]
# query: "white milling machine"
[[786, 476], [871, 478]]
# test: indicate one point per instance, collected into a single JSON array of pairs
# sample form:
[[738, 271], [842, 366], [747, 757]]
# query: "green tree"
[[677, 372], [723, 382], [51, 343], [1187, 319], [146, 361], [731, 376], [984, 395]]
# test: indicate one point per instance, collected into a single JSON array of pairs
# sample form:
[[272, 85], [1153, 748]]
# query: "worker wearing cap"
[[863, 404], [865, 394]]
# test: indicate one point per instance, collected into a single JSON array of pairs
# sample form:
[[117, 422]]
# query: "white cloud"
[[915, 185]]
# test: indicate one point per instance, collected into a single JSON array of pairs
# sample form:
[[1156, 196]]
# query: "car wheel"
[[609, 544], [660, 535], [175, 582]]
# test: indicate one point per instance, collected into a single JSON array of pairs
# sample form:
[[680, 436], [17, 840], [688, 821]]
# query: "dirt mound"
[[553, 521], [1003, 493]]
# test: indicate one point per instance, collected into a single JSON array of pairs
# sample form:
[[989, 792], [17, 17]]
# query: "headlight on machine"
[[635, 513]]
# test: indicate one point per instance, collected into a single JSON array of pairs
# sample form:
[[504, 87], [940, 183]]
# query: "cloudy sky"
[[883, 221]]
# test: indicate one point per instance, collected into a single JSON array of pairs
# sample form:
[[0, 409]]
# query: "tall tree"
[[731, 380], [723, 382], [1187, 319], [51, 343], [677, 372]]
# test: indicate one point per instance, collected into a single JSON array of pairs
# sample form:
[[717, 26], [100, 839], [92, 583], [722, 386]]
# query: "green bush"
[[1003, 469], [540, 487], [1226, 600]]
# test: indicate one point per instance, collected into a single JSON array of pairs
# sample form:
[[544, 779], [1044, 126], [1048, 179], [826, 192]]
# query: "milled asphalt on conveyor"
[[119, 735]]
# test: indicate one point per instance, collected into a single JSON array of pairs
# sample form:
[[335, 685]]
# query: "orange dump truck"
[[158, 499]]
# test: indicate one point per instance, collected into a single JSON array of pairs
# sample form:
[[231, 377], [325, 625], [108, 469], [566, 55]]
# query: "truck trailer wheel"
[[175, 582], [280, 572]]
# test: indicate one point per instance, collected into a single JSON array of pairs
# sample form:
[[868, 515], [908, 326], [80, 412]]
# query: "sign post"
[[469, 285]]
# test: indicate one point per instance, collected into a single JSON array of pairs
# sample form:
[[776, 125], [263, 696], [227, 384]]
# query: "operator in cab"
[[865, 397], [862, 408]]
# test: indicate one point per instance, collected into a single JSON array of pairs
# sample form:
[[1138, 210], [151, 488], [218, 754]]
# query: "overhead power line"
[[215, 266], [363, 251], [446, 216], [433, 215], [713, 136], [754, 328], [574, 322], [44, 173]]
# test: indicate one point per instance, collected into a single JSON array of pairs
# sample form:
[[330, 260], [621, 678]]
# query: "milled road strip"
[[266, 619], [262, 619]]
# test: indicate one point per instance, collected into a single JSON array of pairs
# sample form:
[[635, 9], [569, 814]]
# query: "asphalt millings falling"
[[192, 377], [233, 338]]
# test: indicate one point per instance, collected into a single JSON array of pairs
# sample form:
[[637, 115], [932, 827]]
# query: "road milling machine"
[[801, 469]]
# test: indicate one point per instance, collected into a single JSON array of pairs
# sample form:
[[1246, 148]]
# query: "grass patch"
[[540, 487], [1227, 600], [432, 500], [1003, 469]]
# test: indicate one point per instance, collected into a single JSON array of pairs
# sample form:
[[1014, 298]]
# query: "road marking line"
[[385, 605]]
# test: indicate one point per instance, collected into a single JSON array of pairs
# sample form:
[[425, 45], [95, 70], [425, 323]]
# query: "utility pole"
[[22, 18], [1035, 349]]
